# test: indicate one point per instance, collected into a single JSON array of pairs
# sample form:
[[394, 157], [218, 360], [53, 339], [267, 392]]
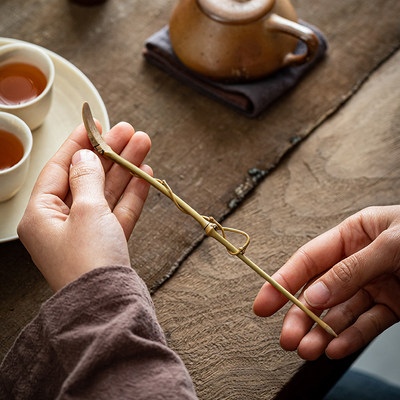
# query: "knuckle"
[[279, 277], [345, 270], [81, 171], [307, 261], [128, 214], [359, 339], [391, 240], [347, 314], [374, 323]]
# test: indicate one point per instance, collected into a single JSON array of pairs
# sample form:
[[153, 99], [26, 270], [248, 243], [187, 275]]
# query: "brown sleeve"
[[97, 338]]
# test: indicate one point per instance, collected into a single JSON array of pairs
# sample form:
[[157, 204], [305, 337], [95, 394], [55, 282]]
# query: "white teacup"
[[12, 179], [34, 111]]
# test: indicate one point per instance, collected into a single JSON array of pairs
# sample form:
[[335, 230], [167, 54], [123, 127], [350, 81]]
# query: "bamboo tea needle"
[[210, 226]]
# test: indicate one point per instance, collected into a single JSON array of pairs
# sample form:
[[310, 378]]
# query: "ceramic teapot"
[[238, 40]]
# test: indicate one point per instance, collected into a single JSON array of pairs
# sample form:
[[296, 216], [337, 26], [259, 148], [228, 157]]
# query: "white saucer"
[[71, 89]]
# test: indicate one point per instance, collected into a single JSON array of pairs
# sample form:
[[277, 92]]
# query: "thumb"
[[86, 177], [347, 277]]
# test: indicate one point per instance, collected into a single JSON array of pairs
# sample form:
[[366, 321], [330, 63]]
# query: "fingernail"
[[317, 294], [83, 155]]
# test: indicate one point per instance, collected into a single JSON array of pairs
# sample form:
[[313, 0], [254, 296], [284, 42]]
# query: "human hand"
[[356, 268], [82, 209]]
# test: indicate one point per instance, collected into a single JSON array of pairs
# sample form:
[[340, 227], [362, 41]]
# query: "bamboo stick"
[[208, 224]]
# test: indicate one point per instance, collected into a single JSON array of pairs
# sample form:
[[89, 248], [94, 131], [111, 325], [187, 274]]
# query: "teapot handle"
[[279, 24]]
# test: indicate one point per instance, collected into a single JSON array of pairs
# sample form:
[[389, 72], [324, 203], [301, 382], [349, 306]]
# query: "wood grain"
[[196, 141], [350, 162], [205, 151]]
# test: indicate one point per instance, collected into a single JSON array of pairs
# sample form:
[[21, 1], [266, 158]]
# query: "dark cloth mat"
[[361, 386], [251, 98]]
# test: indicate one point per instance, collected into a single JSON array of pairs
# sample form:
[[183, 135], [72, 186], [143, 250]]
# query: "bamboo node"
[[214, 224], [209, 228]]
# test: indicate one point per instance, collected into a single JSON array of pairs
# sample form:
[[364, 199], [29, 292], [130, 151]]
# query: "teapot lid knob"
[[236, 11]]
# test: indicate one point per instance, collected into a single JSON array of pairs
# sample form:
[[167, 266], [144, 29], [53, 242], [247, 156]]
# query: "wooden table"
[[326, 149]]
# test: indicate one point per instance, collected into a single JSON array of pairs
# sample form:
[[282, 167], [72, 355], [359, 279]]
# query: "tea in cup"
[[26, 81], [15, 150]]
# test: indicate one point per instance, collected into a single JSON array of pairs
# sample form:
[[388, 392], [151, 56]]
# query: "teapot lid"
[[236, 11]]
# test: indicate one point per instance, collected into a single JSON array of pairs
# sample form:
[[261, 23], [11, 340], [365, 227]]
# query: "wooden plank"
[[202, 148], [351, 162], [221, 146]]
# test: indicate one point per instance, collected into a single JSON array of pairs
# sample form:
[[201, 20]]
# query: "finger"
[[117, 178], [54, 177], [344, 279], [117, 138], [296, 325], [130, 207], [310, 260], [86, 179], [368, 326], [340, 317], [316, 257]]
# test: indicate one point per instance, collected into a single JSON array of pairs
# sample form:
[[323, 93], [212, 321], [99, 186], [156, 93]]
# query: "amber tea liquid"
[[11, 150], [20, 83]]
